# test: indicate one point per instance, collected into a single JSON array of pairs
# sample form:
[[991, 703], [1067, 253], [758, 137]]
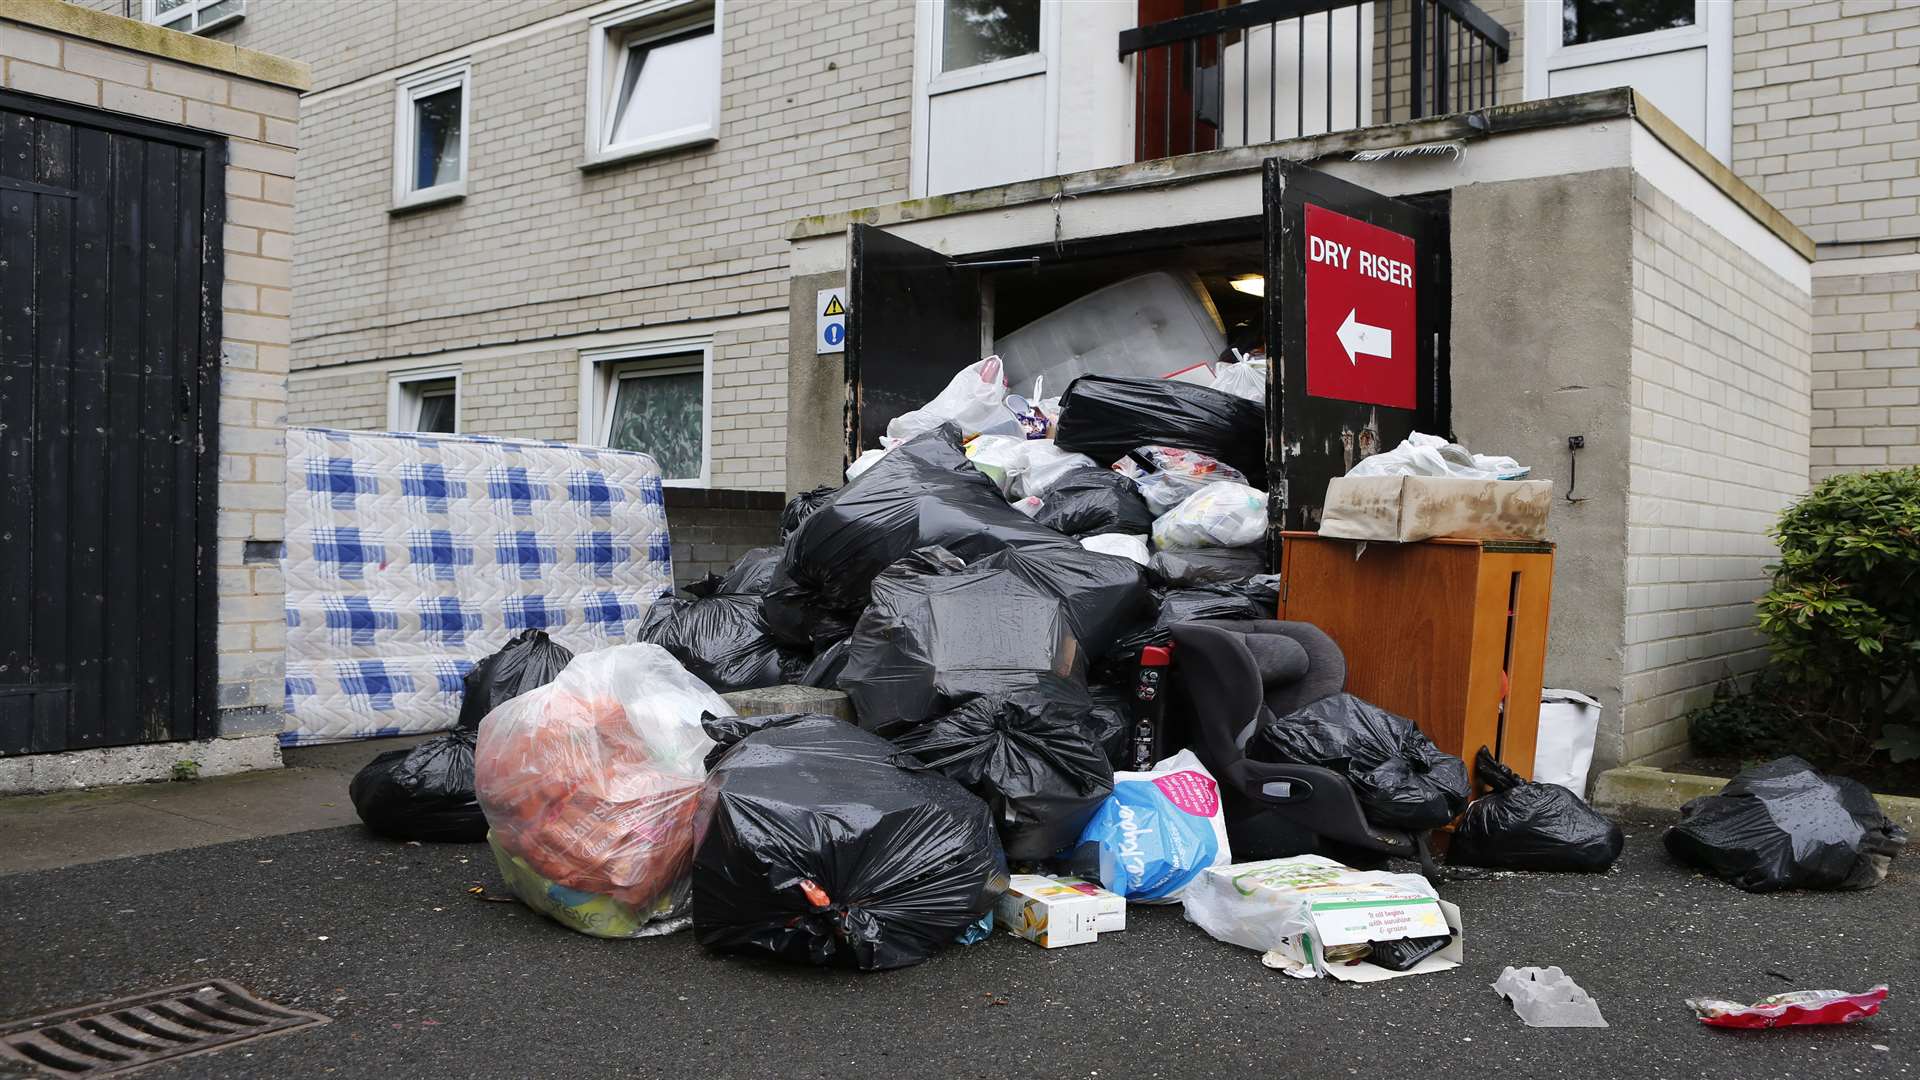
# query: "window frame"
[[404, 397], [408, 91], [1545, 52], [189, 12], [602, 370], [940, 81], [609, 38]]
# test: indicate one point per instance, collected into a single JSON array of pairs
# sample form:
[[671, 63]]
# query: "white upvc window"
[[193, 16], [656, 398], [424, 399], [1678, 53], [431, 114], [653, 79]]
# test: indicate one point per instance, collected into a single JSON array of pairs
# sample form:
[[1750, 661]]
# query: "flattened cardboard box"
[[1054, 912], [1407, 508]]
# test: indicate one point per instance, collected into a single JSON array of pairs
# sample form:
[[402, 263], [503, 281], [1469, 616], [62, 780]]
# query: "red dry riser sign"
[[1360, 311]]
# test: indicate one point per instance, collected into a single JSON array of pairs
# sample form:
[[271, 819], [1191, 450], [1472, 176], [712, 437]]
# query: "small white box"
[[1055, 912]]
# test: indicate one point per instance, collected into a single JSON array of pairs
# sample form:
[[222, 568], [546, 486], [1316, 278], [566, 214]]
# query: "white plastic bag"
[[1176, 474], [1431, 455], [1000, 457], [1127, 547], [868, 459], [1046, 463], [1218, 515], [974, 401], [1247, 379], [591, 780], [1569, 720]]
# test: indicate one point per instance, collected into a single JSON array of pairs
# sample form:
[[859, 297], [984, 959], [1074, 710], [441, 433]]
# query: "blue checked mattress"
[[411, 556]]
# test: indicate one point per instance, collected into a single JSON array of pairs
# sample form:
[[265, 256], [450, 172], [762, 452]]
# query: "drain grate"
[[127, 1033]]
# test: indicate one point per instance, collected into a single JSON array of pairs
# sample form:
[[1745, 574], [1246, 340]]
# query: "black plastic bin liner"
[[531, 659], [752, 574], [1106, 416], [424, 792], [1089, 502], [1192, 567], [1255, 598], [1111, 723], [819, 843], [721, 641], [939, 632], [1521, 825], [923, 492], [1105, 596], [801, 507], [1030, 754], [1402, 780], [1785, 825]]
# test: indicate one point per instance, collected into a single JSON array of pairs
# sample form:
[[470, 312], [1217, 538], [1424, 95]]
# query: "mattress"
[[410, 556]]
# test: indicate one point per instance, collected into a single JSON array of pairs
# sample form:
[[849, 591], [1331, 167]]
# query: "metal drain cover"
[[131, 1032]]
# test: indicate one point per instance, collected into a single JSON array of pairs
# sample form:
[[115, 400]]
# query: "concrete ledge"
[[73, 770], [1645, 788], [66, 18]]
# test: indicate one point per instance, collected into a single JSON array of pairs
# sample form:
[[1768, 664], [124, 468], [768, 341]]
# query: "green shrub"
[[1754, 723], [1843, 614]]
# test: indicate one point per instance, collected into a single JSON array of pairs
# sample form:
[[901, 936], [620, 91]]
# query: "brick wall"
[[1508, 79], [1866, 369], [259, 120], [709, 538], [1720, 424]]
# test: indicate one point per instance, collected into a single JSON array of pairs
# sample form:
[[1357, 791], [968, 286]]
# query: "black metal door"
[[914, 322], [110, 292], [1313, 438]]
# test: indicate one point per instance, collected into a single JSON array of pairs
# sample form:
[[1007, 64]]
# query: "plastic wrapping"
[[922, 493], [589, 913], [1784, 825], [1793, 1009], [1528, 826], [1029, 753], [1171, 474], [939, 632], [1104, 417], [591, 779], [1401, 779], [1207, 566], [531, 659], [819, 843], [1247, 379], [1159, 830], [1133, 548], [1104, 595], [424, 792], [722, 641], [973, 401], [1089, 502], [1225, 515], [1431, 455], [801, 507], [1023, 468]]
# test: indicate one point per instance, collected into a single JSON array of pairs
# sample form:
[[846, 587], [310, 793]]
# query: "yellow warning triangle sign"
[[834, 307]]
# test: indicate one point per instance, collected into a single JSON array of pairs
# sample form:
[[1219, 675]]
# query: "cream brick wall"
[[259, 120], [1720, 424], [1866, 371]]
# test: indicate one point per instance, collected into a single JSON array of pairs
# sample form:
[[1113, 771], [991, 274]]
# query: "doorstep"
[[1648, 788]]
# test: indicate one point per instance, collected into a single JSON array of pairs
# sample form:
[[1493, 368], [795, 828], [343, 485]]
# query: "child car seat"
[[1227, 677]]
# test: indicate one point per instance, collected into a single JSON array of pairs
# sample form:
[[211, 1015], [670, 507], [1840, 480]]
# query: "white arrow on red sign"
[[1357, 338]]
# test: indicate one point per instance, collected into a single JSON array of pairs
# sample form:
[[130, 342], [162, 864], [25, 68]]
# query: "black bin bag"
[[1255, 598], [1521, 825], [721, 640], [1105, 596], [801, 507], [1402, 780], [425, 792], [1785, 825], [1191, 567], [819, 843], [752, 574], [923, 492], [1106, 416], [939, 632], [1089, 502]]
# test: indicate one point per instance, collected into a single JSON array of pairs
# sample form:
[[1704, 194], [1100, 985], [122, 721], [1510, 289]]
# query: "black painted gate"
[[110, 293]]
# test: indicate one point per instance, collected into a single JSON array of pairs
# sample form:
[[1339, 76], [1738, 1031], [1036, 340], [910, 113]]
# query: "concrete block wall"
[[1720, 426], [1866, 369], [123, 67], [707, 539]]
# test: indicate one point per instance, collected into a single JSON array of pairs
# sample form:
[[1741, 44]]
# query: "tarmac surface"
[[422, 979]]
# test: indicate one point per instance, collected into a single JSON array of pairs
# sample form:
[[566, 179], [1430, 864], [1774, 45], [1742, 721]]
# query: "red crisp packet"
[[1791, 1009]]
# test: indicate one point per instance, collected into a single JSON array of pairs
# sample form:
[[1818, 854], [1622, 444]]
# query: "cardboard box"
[[1293, 909], [1408, 508], [1053, 912]]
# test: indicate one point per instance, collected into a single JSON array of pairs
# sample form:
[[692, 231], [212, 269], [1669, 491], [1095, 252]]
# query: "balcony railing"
[[1267, 70]]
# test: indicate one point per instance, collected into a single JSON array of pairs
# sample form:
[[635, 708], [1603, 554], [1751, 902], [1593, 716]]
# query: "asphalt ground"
[[422, 979]]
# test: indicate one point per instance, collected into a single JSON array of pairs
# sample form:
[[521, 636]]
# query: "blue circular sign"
[[835, 333]]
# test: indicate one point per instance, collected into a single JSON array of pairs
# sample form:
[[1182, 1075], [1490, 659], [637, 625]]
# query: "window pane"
[[668, 86], [161, 7], [220, 9], [661, 415], [1582, 21], [436, 407], [436, 135], [976, 32]]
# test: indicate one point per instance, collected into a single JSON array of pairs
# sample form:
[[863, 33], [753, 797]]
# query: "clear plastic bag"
[[1175, 474], [1023, 468], [1247, 379], [1127, 547], [1218, 515], [975, 401], [591, 780]]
